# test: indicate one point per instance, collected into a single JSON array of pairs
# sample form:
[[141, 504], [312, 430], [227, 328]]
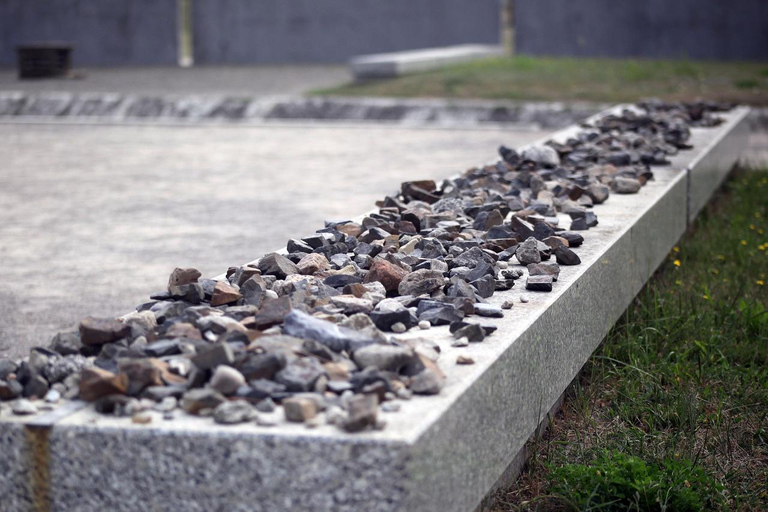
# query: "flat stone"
[[421, 282], [23, 407], [273, 312], [472, 332], [542, 155], [541, 283], [311, 263], [224, 294], [97, 331], [335, 337], [623, 185], [231, 413], [488, 310], [462, 359], [545, 268], [300, 375]]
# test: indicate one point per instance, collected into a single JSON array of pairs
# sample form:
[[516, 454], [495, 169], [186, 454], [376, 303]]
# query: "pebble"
[[507, 304], [424, 325], [523, 299], [460, 342], [52, 396], [462, 359], [23, 407], [141, 418], [299, 409], [226, 380], [236, 411], [398, 327]]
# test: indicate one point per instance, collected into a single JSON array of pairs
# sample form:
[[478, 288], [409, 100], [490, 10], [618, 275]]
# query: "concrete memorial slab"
[[437, 453]]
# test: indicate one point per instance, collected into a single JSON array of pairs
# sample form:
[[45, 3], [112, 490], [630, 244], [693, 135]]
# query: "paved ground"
[[220, 80], [757, 153], [93, 218]]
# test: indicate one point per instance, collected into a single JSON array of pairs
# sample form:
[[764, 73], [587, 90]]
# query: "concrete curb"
[[439, 453]]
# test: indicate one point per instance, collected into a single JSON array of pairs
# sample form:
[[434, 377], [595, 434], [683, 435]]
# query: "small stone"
[[528, 252], [507, 304], [299, 409], [362, 410], [196, 400], [141, 418], [545, 268], [421, 282], [277, 265], [388, 274], [383, 357], [565, 256], [623, 185], [398, 327], [183, 276], [473, 332], [52, 396], [226, 380], [266, 405], [67, 343], [390, 407], [23, 407], [488, 310], [545, 156], [523, 299], [427, 382], [217, 355], [36, 387], [335, 337], [224, 294], [96, 383], [311, 263], [97, 331], [462, 359], [300, 375], [539, 283], [231, 413], [265, 421], [166, 405], [424, 325], [460, 342]]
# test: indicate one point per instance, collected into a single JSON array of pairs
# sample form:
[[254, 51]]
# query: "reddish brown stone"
[[97, 331], [182, 276], [386, 273], [96, 383], [224, 294]]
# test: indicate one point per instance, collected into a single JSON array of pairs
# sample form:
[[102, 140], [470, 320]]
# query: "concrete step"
[[389, 65], [439, 453]]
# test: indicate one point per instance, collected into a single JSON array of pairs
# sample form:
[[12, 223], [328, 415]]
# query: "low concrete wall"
[[697, 29], [274, 31], [104, 32]]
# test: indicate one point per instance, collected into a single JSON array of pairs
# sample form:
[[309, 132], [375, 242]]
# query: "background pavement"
[[251, 81], [94, 217]]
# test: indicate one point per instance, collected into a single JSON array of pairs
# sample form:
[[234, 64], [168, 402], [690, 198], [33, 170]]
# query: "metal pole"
[[186, 55]]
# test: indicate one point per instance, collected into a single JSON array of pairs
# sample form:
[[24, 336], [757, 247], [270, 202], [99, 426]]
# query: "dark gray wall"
[[104, 32], [255, 31], [696, 29]]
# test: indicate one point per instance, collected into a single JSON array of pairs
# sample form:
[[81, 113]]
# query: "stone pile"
[[313, 329]]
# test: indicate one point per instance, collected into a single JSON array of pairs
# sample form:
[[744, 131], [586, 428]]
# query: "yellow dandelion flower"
[[743, 242], [705, 297], [676, 249], [760, 282], [760, 230], [752, 227], [721, 257], [714, 271], [679, 283], [677, 263]]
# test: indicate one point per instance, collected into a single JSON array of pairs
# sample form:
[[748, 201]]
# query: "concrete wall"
[[251, 31], [696, 29], [104, 32]]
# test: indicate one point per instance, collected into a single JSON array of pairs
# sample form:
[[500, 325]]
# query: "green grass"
[[604, 80], [674, 404]]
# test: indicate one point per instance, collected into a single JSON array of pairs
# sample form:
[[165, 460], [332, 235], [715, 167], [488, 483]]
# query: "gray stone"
[[541, 283], [545, 268], [66, 343], [300, 375], [335, 337], [565, 256], [472, 332], [23, 407], [383, 357], [10, 389], [488, 310], [231, 413], [528, 252], [299, 409], [421, 282], [226, 380], [97, 331], [183, 276], [266, 405], [623, 185], [542, 155], [277, 265], [217, 355], [428, 382], [362, 413], [197, 400]]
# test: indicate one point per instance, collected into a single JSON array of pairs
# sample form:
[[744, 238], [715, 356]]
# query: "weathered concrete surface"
[[93, 218], [389, 65], [439, 453]]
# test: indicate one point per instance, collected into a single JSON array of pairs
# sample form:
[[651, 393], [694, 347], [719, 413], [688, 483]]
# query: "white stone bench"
[[388, 65], [439, 453]]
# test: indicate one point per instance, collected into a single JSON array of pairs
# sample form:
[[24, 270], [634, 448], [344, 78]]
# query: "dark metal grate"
[[44, 60]]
